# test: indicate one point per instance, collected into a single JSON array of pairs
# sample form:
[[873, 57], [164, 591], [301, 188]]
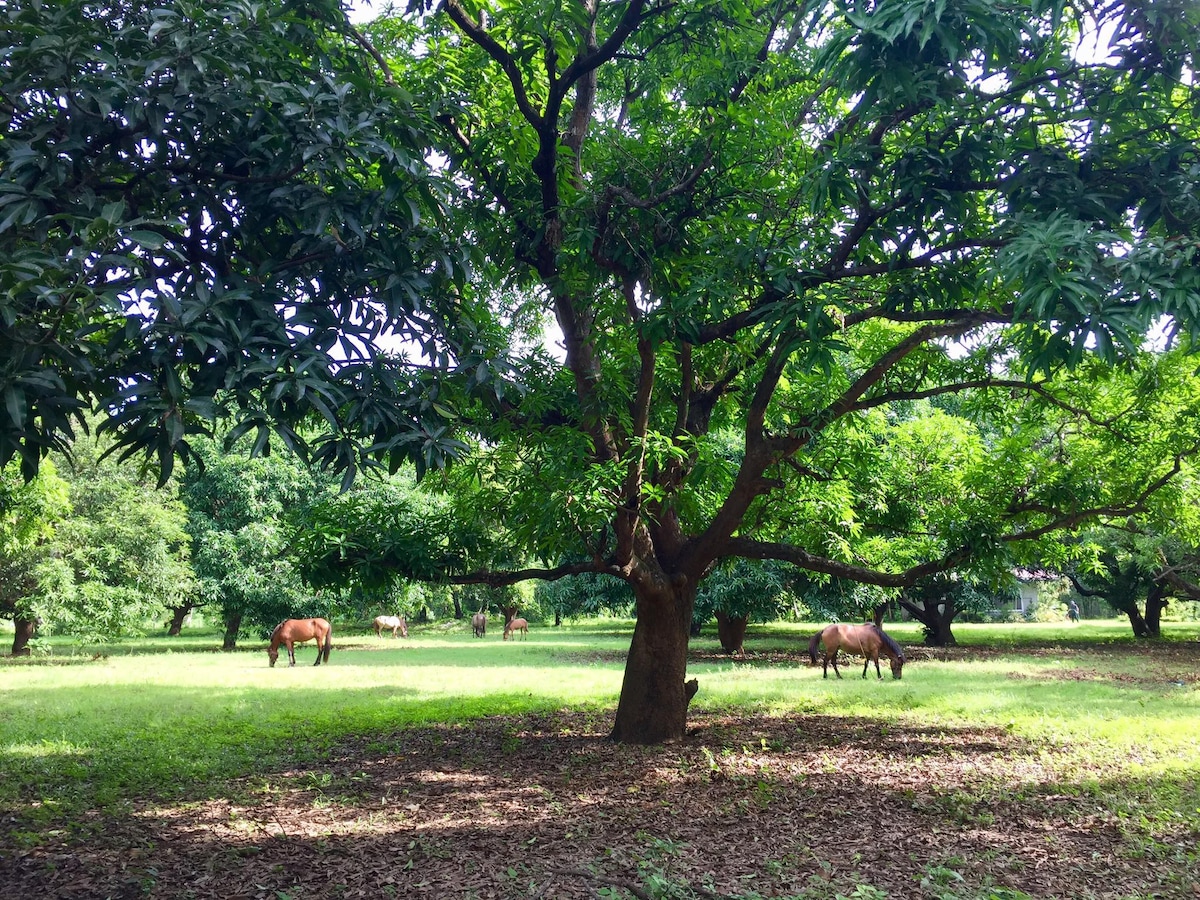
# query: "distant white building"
[[1029, 582]]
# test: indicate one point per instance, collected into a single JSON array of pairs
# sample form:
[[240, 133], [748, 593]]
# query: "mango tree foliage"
[[238, 521], [776, 222], [208, 210], [126, 544], [32, 580]]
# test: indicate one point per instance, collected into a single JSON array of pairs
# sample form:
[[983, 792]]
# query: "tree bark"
[[936, 619], [510, 613], [1156, 602], [731, 632], [1137, 622], [233, 625], [25, 630], [654, 695], [178, 614]]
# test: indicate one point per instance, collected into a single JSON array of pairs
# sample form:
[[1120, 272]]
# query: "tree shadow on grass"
[[542, 805]]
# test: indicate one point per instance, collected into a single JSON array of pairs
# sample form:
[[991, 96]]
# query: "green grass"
[[92, 727]]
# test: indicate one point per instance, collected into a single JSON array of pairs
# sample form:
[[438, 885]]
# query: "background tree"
[[1138, 570], [936, 602], [32, 578], [741, 591], [127, 545], [238, 510]]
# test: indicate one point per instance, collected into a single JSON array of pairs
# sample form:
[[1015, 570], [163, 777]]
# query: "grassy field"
[[89, 733]]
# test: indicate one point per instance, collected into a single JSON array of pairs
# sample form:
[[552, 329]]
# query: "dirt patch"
[[544, 806]]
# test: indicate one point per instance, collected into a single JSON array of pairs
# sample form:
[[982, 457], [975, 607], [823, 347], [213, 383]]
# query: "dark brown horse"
[[297, 631], [479, 624], [865, 640], [396, 623], [514, 626]]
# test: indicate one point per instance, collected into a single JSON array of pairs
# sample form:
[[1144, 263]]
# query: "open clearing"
[[984, 773]]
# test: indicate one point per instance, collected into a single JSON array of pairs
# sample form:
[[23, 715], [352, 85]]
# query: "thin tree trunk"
[[731, 632], [654, 694], [25, 630], [233, 624]]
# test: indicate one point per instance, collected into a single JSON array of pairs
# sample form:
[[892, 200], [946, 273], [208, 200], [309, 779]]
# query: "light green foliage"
[[32, 580], [126, 544], [238, 510]]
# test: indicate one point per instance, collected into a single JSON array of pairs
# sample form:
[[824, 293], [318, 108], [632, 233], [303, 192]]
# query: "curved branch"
[[359, 38], [475, 31]]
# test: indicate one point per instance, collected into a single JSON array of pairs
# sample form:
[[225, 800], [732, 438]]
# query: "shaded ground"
[[797, 805]]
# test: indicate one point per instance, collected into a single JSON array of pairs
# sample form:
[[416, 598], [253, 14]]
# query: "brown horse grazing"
[[297, 631], [516, 625], [396, 623], [479, 624], [868, 640]]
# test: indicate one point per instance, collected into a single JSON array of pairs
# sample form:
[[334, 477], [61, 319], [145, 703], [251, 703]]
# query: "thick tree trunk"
[[654, 695], [942, 617], [510, 613], [1156, 602], [233, 625], [458, 610], [25, 630], [1136, 622], [937, 619], [178, 615], [731, 632]]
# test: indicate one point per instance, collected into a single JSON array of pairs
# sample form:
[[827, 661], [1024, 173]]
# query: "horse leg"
[[317, 638], [867, 665], [836, 670], [291, 653], [877, 672]]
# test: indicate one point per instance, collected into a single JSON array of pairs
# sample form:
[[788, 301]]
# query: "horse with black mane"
[[297, 631], [867, 640], [479, 624]]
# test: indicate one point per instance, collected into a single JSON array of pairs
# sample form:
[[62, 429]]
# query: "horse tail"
[[812, 646], [328, 644]]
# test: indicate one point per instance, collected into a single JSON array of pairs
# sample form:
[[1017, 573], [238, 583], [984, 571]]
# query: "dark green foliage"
[[207, 207]]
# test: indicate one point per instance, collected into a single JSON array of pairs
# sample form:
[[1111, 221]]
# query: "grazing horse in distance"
[[297, 631], [868, 640], [514, 626], [479, 624], [396, 623]]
